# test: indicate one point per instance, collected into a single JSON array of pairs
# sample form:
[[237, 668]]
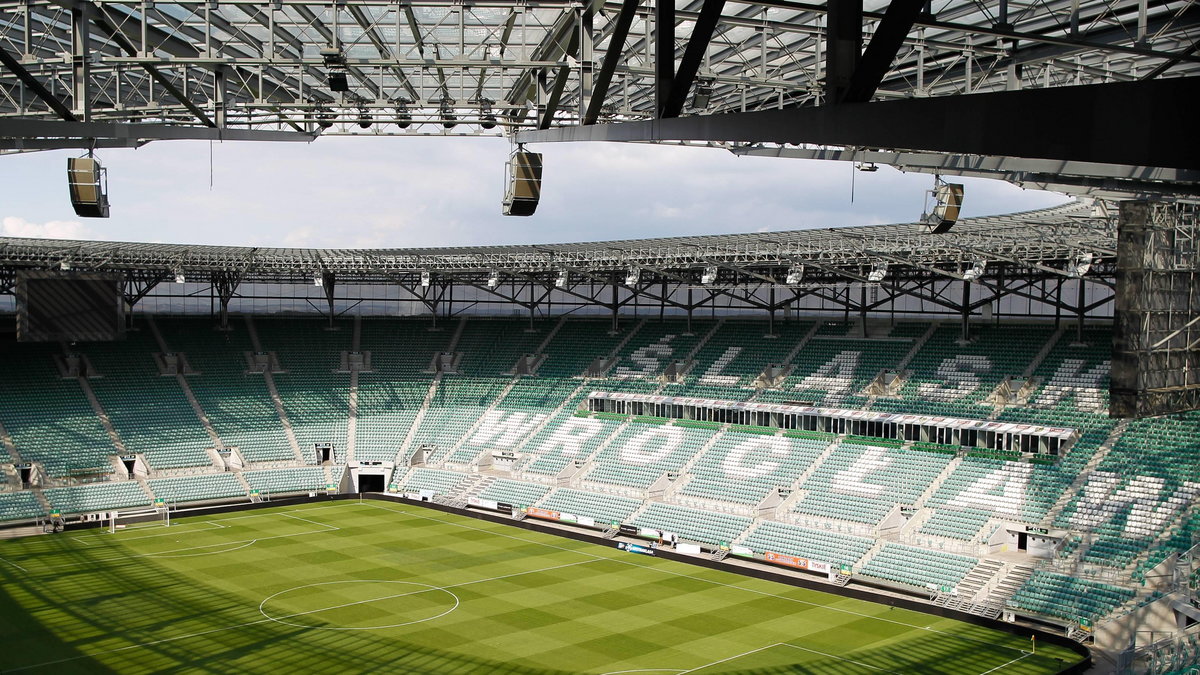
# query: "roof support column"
[[81, 61], [225, 284], [664, 52], [966, 310], [844, 49]]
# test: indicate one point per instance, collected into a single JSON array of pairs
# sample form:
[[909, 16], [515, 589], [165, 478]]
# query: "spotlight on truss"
[[1080, 265], [795, 274], [877, 273], [447, 113], [633, 277], [403, 118], [493, 279], [426, 278], [180, 277], [364, 118], [563, 277], [976, 270], [487, 120], [709, 275], [336, 62], [704, 91]]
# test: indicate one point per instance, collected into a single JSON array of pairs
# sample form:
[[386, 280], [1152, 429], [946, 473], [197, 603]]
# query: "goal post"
[[119, 520]]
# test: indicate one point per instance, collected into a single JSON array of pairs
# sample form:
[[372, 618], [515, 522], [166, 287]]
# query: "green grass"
[[340, 587]]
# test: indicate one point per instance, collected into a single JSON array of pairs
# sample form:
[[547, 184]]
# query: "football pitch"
[[383, 587]]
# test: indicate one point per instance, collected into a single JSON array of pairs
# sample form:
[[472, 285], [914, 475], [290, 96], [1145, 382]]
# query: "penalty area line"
[[1005, 665]]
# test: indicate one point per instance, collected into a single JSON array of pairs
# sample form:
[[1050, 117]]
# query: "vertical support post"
[[965, 308], [844, 48], [81, 62], [586, 58], [1079, 310], [664, 53], [771, 312], [328, 282], [615, 306], [219, 96]]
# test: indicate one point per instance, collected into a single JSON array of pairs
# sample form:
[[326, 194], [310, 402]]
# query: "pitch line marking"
[[245, 624], [168, 553], [645, 670], [839, 658], [1005, 665], [83, 538], [427, 588], [729, 658], [15, 565], [710, 581]]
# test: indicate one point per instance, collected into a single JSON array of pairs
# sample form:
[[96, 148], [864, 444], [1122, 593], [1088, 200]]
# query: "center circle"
[[358, 604]]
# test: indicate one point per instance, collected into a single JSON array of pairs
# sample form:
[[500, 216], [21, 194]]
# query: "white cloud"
[[54, 229]]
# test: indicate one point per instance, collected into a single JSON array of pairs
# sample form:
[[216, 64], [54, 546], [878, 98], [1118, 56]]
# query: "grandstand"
[[902, 456]]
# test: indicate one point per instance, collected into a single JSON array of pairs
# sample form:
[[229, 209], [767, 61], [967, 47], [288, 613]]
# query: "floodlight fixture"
[[65, 265], [704, 91], [633, 276], [493, 279], [487, 120], [336, 62], [709, 275], [447, 113], [426, 278], [877, 273], [1080, 265], [364, 118], [976, 271], [563, 277], [325, 118], [318, 279], [867, 167], [403, 117], [795, 274], [180, 277]]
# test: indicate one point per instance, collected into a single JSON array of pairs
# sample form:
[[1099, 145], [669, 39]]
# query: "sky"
[[385, 192]]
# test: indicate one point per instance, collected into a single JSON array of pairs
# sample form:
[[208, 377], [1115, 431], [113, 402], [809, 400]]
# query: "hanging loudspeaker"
[[949, 198], [524, 183], [85, 178]]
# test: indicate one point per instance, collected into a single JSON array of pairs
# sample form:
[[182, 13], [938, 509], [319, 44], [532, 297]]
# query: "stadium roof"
[[1104, 88], [1035, 240]]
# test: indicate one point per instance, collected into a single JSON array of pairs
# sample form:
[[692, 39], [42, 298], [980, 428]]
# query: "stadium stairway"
[[937, 482], [188, 394], [269, 379], [103, 416], [907, 358], [461, 460], [1085, 473], [352, 394], [406, 448]]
